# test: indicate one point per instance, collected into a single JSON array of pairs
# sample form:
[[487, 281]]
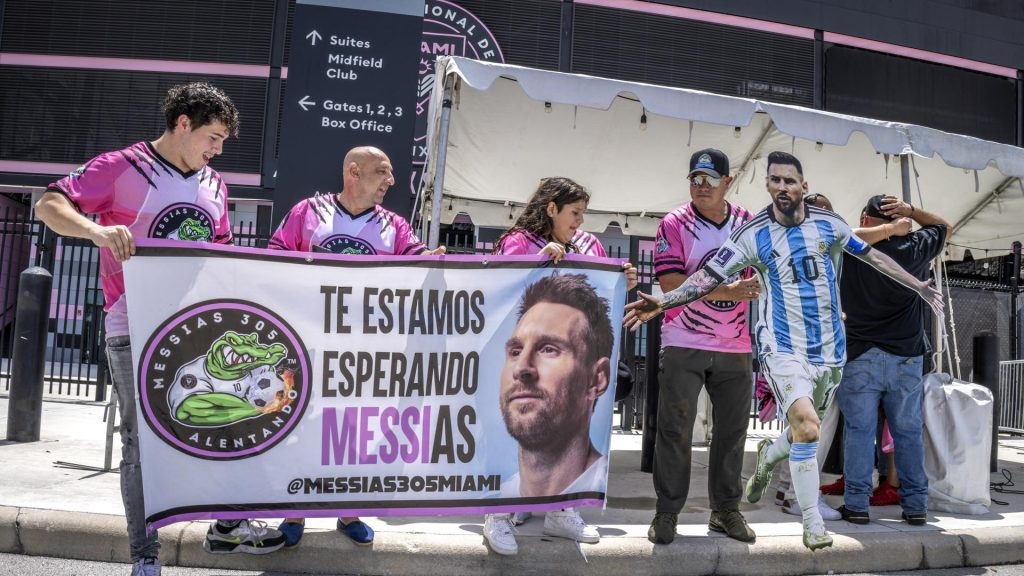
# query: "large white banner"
[[274, 384]]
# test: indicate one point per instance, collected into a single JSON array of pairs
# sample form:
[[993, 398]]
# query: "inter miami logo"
[[448, 30], [342, 244], [183, 222], [223, 380]]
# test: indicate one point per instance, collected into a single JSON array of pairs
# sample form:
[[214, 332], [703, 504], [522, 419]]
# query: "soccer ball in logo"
[[265, 390]]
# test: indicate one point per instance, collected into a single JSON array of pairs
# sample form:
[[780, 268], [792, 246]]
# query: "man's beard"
[[549, 424], [788, 212], [533, 431]]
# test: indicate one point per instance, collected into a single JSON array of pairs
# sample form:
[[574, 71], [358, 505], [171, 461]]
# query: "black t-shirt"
[[881, 312]]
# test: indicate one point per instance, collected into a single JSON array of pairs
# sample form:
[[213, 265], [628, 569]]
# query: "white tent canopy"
[[629, 143]]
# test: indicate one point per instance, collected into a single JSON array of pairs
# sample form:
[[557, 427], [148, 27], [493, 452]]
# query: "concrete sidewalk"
[[50, 505]]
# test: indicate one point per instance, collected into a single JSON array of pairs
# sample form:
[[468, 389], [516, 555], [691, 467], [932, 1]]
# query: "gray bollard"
[[986, 373], [25, 404]]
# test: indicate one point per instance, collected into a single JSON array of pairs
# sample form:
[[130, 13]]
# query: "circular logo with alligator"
[[183, 222], [223, 380], [342, 244]]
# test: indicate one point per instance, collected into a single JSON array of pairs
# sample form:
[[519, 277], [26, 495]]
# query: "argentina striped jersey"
[[798, 267]]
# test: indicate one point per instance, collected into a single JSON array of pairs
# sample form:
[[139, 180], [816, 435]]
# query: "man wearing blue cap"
[[705, 345]]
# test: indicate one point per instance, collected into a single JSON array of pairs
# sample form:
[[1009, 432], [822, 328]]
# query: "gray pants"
[[729, 382], [142, 543]]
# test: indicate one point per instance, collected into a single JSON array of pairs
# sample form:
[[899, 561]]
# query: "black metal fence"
[[75, 363], [74, 342]]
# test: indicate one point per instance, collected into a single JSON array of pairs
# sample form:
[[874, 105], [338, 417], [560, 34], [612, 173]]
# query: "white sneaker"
[[519, 518], [500, 534], [568, 524], [146, 567], [827, 512]]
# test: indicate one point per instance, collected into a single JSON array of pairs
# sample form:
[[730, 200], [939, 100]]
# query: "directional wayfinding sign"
[[352, 78]]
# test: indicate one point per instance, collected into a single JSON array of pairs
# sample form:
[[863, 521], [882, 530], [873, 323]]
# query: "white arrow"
[[314, 36], [306, 102]]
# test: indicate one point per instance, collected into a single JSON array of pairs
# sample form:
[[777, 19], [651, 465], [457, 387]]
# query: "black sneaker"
[[854, 516], [915, 518], [663, 528], [732, 523]]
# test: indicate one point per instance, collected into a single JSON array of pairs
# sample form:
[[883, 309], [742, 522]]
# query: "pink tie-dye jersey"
[[137, 188], [322, 221], [684, 243], [522, 242]]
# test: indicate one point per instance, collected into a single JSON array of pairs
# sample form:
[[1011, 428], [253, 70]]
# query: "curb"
[[102, 537]]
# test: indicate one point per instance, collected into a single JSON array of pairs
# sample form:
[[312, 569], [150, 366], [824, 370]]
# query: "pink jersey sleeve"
[[669, 248], [588, 244], [406, 241], [294, 232], [519, 243], [91, 186]]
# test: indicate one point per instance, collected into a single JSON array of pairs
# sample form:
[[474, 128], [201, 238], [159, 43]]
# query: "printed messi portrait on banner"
[[325, 385], [554, 381]]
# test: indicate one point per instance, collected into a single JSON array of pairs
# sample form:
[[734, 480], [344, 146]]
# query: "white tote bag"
[[957, 444]]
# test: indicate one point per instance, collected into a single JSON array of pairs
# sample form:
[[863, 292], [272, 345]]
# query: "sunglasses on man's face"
[[699, 180]]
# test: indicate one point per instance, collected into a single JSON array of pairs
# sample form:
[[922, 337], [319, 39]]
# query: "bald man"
[[349, 222], [352, 221]]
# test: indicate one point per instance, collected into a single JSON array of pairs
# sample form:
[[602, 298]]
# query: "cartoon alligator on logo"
[[236, 380], [191, 230]]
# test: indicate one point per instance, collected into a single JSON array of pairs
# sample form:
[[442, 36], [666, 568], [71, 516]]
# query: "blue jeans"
[[895, 382], [141, 542]]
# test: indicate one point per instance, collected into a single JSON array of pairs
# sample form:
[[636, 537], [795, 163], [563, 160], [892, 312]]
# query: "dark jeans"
[[728, 380]]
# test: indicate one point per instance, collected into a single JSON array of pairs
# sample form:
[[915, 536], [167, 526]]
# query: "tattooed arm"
[[646, 307]]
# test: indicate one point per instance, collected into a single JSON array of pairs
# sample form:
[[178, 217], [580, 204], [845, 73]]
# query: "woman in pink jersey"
[[550, 225]]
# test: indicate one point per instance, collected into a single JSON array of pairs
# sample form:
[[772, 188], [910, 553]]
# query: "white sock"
[[805, 480]]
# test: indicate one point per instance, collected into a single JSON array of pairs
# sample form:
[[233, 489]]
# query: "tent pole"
[[937, 328], [748, 159], [988, 200], [437, 194], [905, 177]]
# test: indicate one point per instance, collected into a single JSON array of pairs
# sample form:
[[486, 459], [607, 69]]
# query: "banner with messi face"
[[276, 384]]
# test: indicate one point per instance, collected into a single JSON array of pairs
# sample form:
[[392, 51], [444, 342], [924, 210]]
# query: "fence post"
[[46, 248], [653, 354], [25, 404], [1014, 312], [986, 373]]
